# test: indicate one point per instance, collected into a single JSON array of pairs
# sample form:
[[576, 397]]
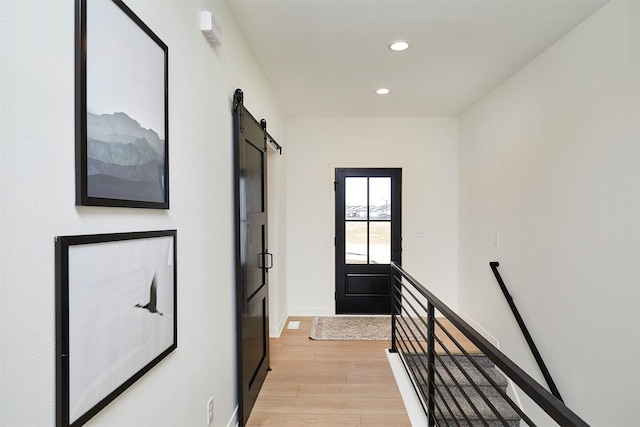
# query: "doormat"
[[351, 328]]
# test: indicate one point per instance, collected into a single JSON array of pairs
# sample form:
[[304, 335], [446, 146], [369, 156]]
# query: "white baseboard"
[[411, 402], [275, 332], [495, 341], [311, 311]]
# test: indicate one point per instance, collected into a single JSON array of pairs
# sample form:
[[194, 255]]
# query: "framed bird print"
[[115, 316]]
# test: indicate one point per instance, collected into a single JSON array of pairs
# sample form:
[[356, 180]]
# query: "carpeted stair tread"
[[449, 395], [453, 371], [445, 382]]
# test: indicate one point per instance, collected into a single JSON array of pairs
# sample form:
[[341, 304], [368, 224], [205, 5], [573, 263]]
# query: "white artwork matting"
[[120, 312]]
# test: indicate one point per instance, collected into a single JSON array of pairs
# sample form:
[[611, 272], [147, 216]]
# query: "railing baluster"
[[394, 293], [431, 348]]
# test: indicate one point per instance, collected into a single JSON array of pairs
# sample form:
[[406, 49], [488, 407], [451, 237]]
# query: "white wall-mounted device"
[[210, 28]]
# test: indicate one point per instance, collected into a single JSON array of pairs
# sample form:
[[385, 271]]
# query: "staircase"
[[459, 390], [466, 386]]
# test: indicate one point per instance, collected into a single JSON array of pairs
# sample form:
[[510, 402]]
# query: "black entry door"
[[252, 258], [368, 238]]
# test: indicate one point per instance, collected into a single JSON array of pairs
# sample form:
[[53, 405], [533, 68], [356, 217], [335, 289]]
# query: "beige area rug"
[[351, 328], [378, 328]]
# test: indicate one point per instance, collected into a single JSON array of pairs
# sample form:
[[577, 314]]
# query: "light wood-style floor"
[[328, 383]]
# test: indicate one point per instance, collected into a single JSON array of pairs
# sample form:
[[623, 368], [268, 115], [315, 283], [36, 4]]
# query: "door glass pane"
[[355, 242], [380, 242], [355, 198], [380, 198]]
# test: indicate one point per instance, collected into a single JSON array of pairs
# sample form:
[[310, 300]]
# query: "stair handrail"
[[525, 331], [549, 403]]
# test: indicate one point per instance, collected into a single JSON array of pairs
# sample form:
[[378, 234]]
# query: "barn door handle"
[[270, 255]]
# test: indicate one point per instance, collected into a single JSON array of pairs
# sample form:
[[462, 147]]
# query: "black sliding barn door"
[[368, 238], [252, 258]]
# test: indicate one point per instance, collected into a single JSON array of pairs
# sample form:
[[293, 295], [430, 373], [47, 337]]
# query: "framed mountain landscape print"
[[115, 316], [122, 155]]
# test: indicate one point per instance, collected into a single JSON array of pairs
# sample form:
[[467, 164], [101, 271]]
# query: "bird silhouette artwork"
[[153, 298]]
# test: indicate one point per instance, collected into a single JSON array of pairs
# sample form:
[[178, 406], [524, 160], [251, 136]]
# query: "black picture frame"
[[116, 316], [122, 121]]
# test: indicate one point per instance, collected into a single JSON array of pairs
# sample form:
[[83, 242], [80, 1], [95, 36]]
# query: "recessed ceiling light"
[[382, 91], [399, 45]]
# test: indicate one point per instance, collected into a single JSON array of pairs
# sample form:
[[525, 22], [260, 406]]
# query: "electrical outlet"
[[210, 411]]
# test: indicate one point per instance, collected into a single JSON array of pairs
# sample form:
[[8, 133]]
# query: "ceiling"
[[327, 57]]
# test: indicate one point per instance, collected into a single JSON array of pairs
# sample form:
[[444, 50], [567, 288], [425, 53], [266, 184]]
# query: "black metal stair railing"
[[458, 375], [525, 331]]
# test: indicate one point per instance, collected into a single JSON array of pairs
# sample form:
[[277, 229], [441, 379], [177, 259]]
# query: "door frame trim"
[[331, 173], [396, 172]]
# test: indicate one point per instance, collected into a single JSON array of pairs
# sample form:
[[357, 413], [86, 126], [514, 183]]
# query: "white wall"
[[37, 203], [426, 150], [550, 161], [276, 177]]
